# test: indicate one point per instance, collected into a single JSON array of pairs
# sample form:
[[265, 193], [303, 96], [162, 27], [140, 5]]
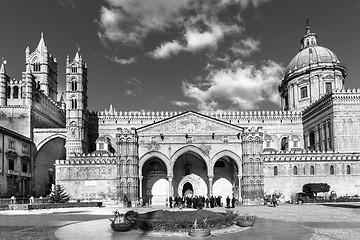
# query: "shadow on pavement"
[[341, 205]]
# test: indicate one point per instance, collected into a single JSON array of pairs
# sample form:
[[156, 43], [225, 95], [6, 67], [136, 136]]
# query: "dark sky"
[[178, 55]]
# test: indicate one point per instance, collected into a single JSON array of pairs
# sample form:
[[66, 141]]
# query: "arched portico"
[[154, 184], [226, 169]]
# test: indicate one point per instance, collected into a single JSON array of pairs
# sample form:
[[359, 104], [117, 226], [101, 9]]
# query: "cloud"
[[181, 103], [246, 47], [166, 50], [243, 86], [195, 40], [130, 21], [122, 61]]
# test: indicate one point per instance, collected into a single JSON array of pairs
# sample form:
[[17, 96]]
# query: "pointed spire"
[[309, 39], [41, 46], [307, 26], [77, 56], [2, 69]]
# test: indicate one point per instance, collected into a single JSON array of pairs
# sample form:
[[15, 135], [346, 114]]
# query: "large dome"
[[312, 56]]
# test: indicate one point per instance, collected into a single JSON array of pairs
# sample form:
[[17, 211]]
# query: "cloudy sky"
[[178, 55]]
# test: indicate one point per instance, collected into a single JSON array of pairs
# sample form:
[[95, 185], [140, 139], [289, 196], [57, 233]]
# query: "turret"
[[4, 78], [44, 68], [76, 105], [28, 78]]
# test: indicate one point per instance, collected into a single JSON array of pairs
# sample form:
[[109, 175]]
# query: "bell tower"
[[76, 105], [44, 68]]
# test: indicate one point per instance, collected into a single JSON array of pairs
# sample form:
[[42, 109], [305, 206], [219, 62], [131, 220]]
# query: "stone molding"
[[303, 156]]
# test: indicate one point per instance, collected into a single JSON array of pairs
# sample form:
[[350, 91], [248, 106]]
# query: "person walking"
[[274, 200]]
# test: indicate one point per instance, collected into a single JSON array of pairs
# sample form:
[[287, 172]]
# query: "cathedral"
[[148, 156]]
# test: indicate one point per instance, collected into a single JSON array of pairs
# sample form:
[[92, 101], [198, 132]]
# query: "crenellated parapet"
[[111, 116], [308, 156], [89, 159]]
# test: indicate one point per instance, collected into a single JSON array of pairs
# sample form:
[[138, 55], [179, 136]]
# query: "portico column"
[[239, 179], [211, 185], [140, 186], [170, 186]]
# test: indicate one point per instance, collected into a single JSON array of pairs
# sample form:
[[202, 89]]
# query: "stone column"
[[171, 192], [211, 185], [239, 179], [140, 187]]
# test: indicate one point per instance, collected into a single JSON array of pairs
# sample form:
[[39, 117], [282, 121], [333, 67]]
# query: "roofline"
[[186, 112]]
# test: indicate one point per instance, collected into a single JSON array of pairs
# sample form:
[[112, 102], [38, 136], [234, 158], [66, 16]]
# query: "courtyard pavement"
[[308, 221]]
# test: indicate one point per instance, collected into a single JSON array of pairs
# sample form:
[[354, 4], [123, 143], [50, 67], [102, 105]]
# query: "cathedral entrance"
[[155, 185], [190, 173], [187, 190]]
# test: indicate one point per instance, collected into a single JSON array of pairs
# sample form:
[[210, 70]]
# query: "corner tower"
[[76, 105], [4, 79], [44, 68], [312, 73]]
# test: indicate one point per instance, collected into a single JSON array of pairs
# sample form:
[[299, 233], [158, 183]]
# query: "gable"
[[190, 122]]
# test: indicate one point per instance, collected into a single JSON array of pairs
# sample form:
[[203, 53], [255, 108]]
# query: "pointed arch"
[[154, 154], [185, 149], [226, 153]]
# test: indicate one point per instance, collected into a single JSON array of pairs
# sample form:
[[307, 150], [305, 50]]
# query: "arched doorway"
[[155, 186], [187, 190], [190, 168], [224, 188], [44, 173]]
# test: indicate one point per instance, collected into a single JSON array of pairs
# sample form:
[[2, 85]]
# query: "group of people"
[[199, 202]]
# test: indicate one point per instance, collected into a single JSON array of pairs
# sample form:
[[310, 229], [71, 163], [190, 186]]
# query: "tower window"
[[303, 92], [16, 92], [36, 67], [348, 169], [332, 171], [73, 86], [74, 69], [284, 144], [328, 87], [73, 103]]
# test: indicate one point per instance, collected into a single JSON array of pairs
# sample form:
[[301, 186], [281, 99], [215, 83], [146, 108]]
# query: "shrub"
[[183, 220], [58, 195]]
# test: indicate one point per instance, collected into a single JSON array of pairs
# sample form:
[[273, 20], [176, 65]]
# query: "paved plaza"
[[308, 221]]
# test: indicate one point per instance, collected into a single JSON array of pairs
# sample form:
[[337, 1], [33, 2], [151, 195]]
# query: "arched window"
[[36, 67], [73, 85], [275, 171], [15, 92], [284, 144], [348, 169], [312, 170], [73, 103], [295, 170], [332, 172], [267, 139], [74, 69]]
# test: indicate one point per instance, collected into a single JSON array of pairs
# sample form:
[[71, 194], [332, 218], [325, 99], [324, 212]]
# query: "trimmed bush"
[[183, 220]]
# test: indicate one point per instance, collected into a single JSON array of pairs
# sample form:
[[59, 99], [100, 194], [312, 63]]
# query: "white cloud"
[[181, 103], [130, 21], [243, 85], [166, 50], [246, 47], [122, 61]]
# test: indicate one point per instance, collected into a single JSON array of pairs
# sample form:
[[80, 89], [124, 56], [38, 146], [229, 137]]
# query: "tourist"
[[233, 201], [274, 200], [13, 200], [170, 201], [207, 202], [31, 200], [227, 202]]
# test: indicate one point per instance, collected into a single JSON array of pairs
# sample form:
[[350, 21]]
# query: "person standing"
[[170, 201], [227, 202], [233, 201], [274, 200]]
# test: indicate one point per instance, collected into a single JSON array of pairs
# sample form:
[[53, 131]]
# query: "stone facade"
[[150, 156]]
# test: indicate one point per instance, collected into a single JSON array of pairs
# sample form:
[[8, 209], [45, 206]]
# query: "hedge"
[[51, 205]]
